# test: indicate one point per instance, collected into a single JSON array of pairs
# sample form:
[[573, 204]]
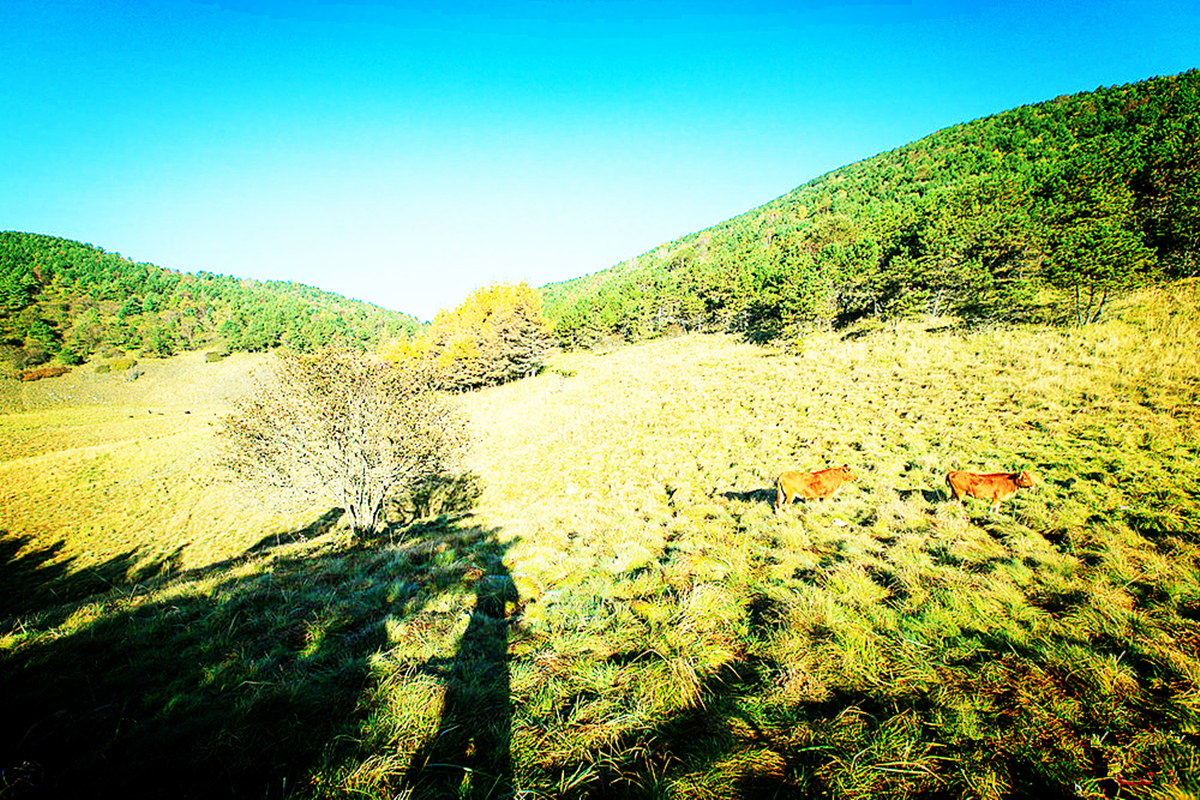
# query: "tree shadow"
[[242, 678], [318, 527], [439, 497], [26, 573], [35, 579]]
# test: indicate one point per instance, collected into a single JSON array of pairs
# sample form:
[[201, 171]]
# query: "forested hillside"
[[1042, 212], [1038, 213], [65, 301]]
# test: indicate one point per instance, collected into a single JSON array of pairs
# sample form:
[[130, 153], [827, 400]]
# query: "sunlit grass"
[[130, 475]]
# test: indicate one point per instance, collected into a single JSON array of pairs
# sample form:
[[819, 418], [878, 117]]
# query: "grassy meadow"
[[604, 603]]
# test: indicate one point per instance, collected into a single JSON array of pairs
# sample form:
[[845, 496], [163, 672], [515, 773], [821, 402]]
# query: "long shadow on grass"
[[318, 527], [237, 679], [470, 756], [34, 578]]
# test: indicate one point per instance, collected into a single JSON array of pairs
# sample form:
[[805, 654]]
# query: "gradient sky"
[[408, 153]]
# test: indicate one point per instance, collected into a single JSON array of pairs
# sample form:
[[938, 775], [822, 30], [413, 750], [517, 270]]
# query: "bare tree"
[[343, 427]]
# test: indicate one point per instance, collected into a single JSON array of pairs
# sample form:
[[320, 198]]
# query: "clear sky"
[[407, 153]]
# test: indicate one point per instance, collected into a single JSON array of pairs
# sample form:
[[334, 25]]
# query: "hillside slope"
[[1041, 212], [621, 612], [67, 301]]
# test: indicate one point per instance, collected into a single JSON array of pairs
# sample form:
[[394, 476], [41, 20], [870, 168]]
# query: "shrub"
[[345, 428], [70, 356], [43, 372]]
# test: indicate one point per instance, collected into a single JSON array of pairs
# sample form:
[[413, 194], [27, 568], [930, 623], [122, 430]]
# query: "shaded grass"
[[242, 677]]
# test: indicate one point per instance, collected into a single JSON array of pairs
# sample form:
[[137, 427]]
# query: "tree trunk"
[[1103, 299]]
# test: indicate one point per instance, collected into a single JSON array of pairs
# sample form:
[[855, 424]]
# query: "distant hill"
[[1041, 212], [65, 301]]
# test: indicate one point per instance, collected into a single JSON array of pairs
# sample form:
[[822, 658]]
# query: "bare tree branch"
[[349, 429]]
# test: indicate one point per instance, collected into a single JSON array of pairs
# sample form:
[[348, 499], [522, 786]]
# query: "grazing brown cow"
[[810, 485], [997, 486]]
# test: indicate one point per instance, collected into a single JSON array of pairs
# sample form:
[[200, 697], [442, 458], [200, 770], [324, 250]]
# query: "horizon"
[[406, 155]]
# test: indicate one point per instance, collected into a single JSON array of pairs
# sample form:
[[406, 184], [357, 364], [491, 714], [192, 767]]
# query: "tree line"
[[65, 301], [1040, 213]]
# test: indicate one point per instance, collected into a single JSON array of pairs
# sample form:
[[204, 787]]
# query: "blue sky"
[[407, 153]]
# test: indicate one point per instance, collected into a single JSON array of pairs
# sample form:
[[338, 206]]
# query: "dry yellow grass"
[[110, 467], [679, 439]]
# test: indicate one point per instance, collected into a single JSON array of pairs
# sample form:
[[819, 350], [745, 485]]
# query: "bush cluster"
[[496, 335], [43, 372]]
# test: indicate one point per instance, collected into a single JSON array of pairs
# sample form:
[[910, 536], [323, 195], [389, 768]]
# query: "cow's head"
[[848, 474], [1023, 479]]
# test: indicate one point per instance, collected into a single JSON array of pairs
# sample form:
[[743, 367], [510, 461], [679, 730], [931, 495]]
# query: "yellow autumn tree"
[[498, 334]]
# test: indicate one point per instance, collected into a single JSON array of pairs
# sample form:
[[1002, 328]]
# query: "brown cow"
[[810, 485], [996, 486]]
